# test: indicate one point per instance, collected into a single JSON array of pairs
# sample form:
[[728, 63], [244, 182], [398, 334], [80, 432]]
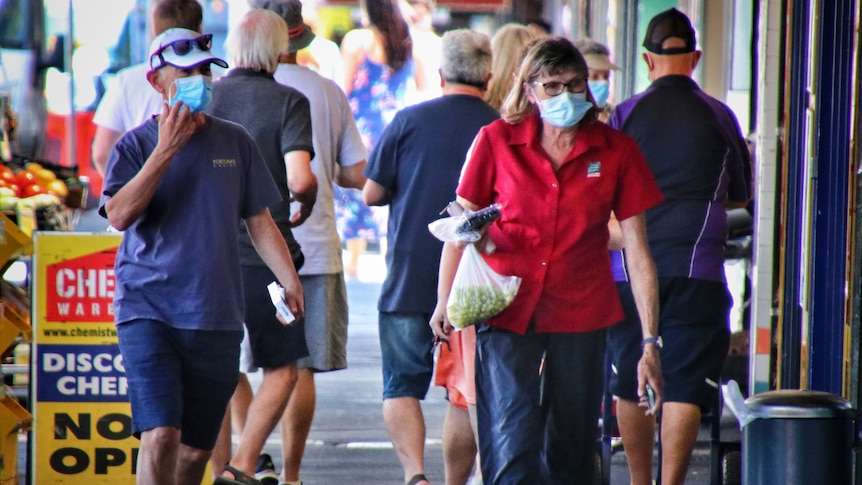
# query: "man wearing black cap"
[[178, 185], [698, 156]]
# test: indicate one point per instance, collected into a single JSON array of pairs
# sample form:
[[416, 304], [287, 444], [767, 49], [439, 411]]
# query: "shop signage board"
[[81, 415]]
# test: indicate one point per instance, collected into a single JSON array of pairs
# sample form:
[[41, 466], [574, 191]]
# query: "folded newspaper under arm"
[[276, 294]]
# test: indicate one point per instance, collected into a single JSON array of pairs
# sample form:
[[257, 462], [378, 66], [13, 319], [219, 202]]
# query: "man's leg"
[[192, 464], [406, 427], [296, 424], [636, 428], [694, 325], [263, 414], [407, 364], [224, 444], [158, 456], [680, 423], [240, 403], [638, 433], [233, 422], [459, 445]]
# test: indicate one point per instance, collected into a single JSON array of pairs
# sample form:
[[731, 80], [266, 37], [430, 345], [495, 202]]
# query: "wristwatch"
[[652, 340]]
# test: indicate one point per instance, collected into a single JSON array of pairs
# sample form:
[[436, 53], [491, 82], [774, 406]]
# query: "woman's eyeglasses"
[[553, 88], [184, 46]]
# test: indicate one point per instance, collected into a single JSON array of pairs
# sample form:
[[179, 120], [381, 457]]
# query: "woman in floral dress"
[[380, 69]]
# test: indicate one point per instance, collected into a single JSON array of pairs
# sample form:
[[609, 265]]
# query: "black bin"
[[798, 437]]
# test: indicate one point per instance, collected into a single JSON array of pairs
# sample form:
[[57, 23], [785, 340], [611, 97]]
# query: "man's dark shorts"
[[273, 344], [179, 378], [694, 327]]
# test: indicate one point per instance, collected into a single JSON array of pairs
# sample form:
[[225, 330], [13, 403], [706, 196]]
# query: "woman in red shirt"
[[558, 174]]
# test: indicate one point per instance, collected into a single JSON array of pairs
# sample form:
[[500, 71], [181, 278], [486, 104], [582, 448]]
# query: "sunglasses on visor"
[[184, 46]]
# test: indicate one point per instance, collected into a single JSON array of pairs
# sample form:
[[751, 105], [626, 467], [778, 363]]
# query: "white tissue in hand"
[[275, 294]]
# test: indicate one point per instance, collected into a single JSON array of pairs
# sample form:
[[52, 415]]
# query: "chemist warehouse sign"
[[82, 429], [82, 424]]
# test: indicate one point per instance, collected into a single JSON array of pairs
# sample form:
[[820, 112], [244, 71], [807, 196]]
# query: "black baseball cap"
[[670, 23]]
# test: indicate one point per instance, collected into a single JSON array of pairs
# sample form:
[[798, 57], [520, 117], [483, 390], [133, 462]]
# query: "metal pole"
[[71, 134]]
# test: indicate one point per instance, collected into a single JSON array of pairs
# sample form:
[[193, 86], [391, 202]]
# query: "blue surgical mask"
[[194, 91], [601, 90], [565, 109]]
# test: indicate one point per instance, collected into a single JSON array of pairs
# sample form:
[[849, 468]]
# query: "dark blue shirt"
[[418, 159], [695, 149], [179, 261]]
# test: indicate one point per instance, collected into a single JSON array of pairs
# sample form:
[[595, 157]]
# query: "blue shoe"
[[265, 470]]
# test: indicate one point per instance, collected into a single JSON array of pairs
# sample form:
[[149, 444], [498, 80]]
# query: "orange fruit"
[[33, 167], [57, 187], [44, 177]]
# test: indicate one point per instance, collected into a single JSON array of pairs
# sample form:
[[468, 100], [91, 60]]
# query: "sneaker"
[[265, 471]]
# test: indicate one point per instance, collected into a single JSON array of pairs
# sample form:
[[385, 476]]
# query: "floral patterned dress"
[[377, 94]]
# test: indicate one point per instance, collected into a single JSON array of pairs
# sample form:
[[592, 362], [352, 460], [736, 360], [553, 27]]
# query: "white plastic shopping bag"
[[478, 292]]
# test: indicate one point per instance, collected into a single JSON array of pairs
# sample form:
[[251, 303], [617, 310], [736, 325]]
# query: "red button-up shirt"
[[553, 231]]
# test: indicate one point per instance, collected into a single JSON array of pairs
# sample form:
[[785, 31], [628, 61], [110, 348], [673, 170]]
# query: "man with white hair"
[[179, 185], [414, 168], [279, 119], [339, 158]]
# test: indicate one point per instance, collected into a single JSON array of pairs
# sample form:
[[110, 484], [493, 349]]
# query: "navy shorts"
[[693, 324], [406, 340], [179, 378], [273, 344]]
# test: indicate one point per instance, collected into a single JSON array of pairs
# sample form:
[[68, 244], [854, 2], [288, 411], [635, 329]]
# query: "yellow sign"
[[73, 287], [82, 431], [84, 443]]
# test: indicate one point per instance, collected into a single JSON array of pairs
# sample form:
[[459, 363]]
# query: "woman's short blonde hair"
[[508, 46], [549, 55], [257, 41]]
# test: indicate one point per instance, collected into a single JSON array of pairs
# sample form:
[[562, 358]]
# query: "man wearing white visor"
[[178, 186]]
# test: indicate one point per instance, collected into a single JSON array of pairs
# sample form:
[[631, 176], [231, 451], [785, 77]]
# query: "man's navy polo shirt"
[[695, 149]]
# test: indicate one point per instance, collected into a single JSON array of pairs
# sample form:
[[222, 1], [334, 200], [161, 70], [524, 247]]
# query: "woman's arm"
[[352, 54], [449, 259]]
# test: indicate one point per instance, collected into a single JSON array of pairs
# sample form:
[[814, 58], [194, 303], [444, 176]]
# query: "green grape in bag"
[[478, 292]]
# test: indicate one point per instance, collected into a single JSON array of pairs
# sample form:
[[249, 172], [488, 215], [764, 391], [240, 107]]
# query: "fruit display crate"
[[40, 195]]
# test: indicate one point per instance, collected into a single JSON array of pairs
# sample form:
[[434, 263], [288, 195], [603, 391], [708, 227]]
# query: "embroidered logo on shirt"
[[594, 169], [224, 162]]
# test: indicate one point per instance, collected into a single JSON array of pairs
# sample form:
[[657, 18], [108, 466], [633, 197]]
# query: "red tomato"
[[25, 178], [33, 189], [7, 174]]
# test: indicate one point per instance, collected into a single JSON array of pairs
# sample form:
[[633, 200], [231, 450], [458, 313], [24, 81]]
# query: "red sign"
[[82, 289]]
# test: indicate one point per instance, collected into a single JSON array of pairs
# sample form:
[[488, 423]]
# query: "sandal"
[[419, 477], [239, 478]]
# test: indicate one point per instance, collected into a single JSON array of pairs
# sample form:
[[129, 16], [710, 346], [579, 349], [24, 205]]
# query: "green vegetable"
[[473, 304]]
